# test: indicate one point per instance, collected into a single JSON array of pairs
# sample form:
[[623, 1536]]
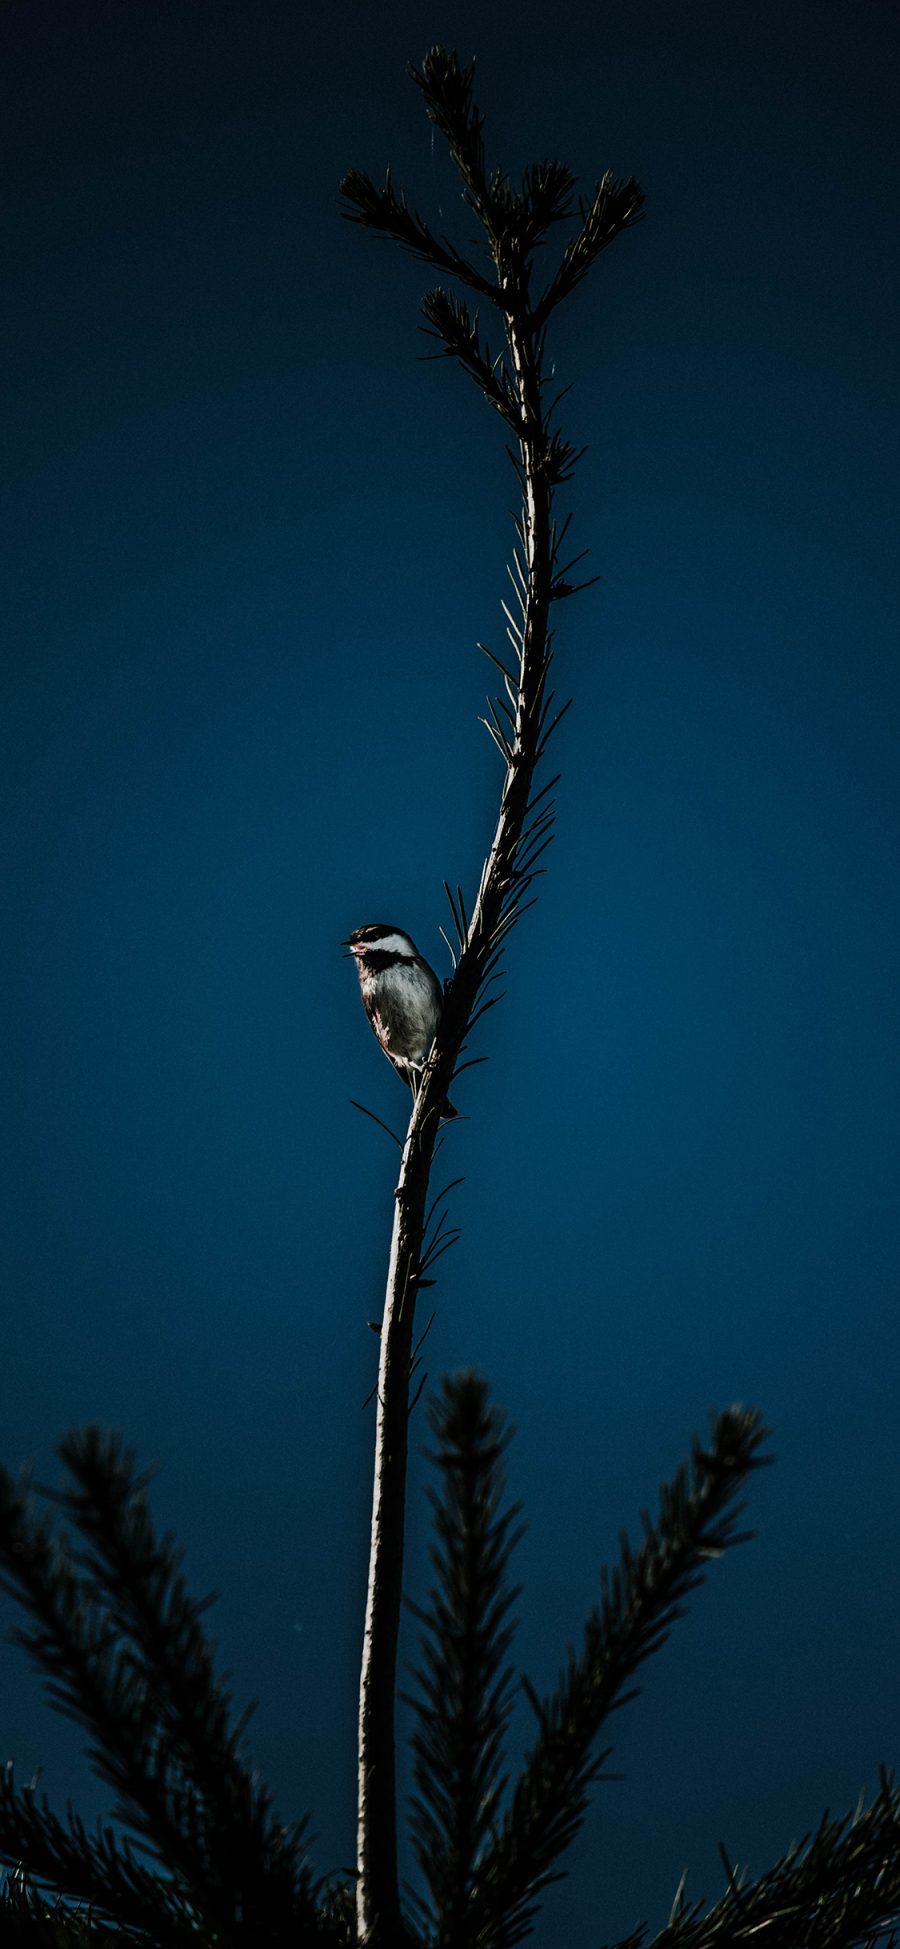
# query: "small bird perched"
[[401, 996]]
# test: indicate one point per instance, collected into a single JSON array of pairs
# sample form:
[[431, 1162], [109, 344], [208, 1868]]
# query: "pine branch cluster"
[[486, 1866], [465, 1686], [123, 1652], [837, 1886]]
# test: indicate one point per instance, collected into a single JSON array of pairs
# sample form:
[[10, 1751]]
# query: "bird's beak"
[[354, 948]]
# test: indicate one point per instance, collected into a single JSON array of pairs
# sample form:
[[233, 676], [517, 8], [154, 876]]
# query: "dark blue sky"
[[248, 545]]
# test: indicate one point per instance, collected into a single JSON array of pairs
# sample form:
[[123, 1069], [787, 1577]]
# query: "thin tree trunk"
[[378, 1902]]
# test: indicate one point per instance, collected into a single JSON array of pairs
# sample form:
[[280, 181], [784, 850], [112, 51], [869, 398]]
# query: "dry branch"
[[513, 222]]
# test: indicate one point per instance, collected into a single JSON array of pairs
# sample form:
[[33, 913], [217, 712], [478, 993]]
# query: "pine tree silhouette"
[[194, 1852]]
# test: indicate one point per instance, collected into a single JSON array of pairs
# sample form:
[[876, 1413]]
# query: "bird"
[[402, 997]]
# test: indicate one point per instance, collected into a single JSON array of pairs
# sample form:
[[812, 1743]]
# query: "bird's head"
[[379, 937]]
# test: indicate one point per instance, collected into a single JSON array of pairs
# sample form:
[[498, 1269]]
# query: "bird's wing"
[[437, 991]]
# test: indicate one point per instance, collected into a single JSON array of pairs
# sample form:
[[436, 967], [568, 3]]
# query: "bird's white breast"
[[404, 1000]]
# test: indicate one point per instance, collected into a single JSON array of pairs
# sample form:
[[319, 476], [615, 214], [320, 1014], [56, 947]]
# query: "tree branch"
[[639, 1604], [513, 223], [122, 1650], [464, 1684], [96, 1870], [837, 1888]]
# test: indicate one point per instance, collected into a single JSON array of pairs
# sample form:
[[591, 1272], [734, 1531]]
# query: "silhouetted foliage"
[[465, 1684], [122, 1650], [111, 1627]]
